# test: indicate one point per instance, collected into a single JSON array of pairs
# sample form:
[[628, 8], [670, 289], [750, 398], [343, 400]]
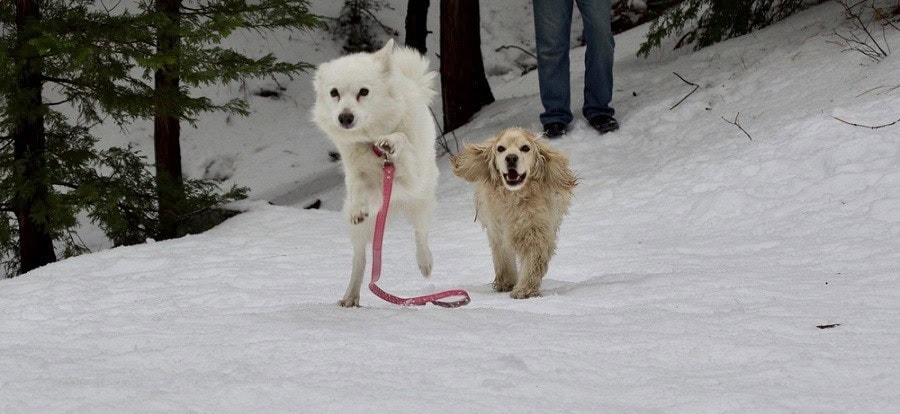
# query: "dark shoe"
[[604, 123], [554, 130]]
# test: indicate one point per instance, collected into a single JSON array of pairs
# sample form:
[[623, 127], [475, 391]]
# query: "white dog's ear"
[[475, 163], [553, 168], [383, 55]]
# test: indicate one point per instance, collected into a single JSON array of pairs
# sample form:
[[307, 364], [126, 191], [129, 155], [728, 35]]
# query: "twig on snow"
[[689, 94], [865, 126], [735, 123], [515, 47]]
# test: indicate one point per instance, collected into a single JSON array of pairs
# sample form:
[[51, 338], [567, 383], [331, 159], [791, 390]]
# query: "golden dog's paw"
[[524, 293], [349, 302], [502, 286]]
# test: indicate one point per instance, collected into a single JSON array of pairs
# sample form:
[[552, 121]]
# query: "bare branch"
[[868, 44], [689, 94], [865, 126], [515, 47], [877, 88], [442, 138], [735, 123]]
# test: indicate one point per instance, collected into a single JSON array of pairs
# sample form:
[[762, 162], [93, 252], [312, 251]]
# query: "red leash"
[[388, 184]]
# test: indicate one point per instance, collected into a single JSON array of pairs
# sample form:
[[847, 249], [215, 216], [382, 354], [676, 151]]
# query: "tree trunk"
[[464, 86], [32, 202], [417, 24], [166, 126]]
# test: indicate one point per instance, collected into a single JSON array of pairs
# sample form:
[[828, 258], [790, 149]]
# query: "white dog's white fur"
[[382, 99]]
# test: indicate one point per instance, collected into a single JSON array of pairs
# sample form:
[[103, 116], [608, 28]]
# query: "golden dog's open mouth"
[[513, 178]]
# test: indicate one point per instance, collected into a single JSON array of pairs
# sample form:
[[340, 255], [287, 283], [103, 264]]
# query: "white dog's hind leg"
[[359, 235], [420, 215]]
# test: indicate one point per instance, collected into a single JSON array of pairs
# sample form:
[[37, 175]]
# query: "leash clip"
[[382, 154]]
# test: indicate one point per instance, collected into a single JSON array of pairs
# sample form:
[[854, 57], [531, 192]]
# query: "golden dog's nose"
[[511, 160]]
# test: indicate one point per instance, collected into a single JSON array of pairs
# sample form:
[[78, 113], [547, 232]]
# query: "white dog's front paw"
[[387, 147], [391, 142], [349, 302]]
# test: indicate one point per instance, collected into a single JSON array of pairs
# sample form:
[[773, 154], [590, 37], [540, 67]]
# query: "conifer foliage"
[[187, 53], [706, 22], [67, 65]]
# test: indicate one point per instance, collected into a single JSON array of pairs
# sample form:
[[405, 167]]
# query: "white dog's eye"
[[334, 93], [501, 148], [525, 148], [363, 91]]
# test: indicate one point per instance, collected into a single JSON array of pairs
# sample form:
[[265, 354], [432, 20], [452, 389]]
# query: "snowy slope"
[[692, 271]]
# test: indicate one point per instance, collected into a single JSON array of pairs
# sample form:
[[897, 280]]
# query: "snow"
[[692, 272]]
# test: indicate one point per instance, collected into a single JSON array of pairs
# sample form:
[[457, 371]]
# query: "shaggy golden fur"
[[523, 190]]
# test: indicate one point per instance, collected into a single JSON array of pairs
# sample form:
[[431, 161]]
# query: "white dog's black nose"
[[346, 119], [511, 160]]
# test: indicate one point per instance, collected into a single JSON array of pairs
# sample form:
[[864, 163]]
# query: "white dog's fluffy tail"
[[411, 64]]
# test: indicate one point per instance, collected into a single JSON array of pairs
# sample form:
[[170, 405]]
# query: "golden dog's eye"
[[501, 148], [334, 93], [525, 148], [364, 92]]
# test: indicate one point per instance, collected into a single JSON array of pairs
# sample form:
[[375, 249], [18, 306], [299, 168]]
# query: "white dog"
[[382, 99]]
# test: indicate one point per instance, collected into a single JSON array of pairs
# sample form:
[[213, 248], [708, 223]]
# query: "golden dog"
[[523, 190]]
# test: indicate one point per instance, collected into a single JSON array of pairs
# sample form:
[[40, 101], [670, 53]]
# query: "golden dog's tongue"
[[512, 175]]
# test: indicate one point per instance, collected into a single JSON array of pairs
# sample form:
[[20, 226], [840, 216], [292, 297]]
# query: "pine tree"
[[416, 24], [464, 86], [94, 66], [59, 49], [706, 22], [358, 26], [187, 54]]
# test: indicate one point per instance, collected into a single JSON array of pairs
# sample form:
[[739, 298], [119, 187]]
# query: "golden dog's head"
[[514, 158]]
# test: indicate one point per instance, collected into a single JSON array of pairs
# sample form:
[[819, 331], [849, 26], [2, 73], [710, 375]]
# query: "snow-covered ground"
[[692, 273]]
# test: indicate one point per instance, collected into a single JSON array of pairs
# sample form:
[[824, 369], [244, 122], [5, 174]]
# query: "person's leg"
[[598, 76], [552, 26]]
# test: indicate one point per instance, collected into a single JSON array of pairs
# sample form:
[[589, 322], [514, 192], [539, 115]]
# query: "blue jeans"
[[552, 25]]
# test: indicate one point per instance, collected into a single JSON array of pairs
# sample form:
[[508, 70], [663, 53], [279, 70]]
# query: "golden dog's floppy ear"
[[474, 163], [553, 168]]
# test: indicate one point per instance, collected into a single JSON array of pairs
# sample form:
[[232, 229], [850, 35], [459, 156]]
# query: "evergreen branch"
[[67, 100], [62, 81]]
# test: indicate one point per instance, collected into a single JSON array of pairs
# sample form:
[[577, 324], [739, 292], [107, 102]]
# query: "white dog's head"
[[353, 93], [513, 158]]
